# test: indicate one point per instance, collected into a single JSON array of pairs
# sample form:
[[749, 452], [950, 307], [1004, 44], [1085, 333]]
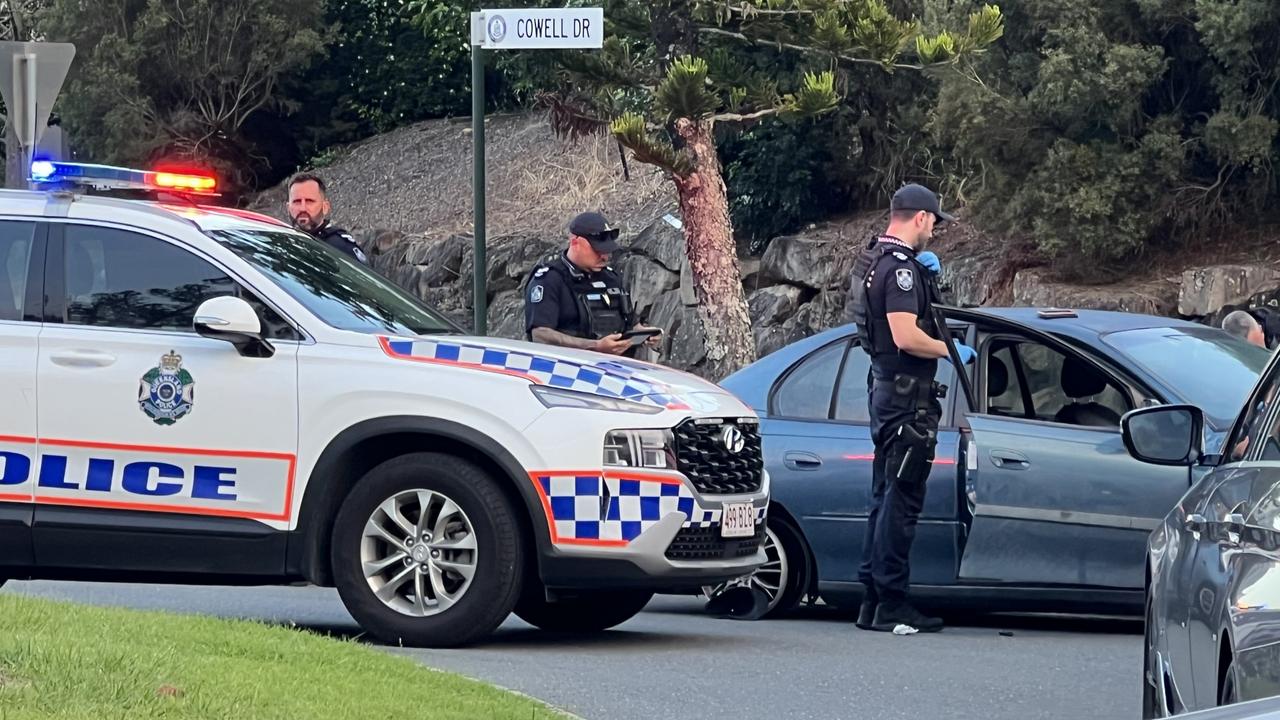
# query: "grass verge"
[[66, 661]]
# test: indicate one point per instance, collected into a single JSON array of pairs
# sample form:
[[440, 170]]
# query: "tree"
[[667, 92], [1104, 128], [176, 80]]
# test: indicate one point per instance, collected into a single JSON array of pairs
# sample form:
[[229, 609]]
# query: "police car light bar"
[[106, 177]]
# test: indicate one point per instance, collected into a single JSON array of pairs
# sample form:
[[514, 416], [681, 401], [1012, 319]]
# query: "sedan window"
[[851, 396], [806, 391], [1030, 380]]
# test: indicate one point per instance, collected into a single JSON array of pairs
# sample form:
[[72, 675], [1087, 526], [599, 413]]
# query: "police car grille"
[[702, 456], [705, 543]]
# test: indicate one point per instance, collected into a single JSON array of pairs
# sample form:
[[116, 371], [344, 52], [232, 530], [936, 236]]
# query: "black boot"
[[867, 611], [899, 618]]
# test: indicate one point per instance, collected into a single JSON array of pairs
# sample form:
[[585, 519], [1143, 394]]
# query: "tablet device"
[[638, 337]]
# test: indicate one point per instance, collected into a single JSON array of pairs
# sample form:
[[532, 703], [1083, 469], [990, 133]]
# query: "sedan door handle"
[[1009, 460], [801, 461], [82, 358]]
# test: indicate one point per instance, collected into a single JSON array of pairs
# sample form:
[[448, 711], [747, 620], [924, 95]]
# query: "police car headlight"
[[554, 397], [640, 449]]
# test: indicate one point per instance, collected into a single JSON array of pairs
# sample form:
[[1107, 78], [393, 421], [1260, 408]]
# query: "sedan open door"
[[1053, 496]]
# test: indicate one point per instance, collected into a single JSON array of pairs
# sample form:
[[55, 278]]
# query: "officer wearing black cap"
[[574, 299], [891, 299]]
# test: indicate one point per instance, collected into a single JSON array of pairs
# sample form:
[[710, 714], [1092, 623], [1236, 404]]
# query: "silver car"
[[1213, 565]]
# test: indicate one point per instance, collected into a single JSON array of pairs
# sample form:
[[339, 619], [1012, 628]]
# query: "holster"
[[912, 444]]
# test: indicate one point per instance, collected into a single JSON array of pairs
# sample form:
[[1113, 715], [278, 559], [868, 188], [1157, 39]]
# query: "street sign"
[[539, 29], [529, 29], [31, 74]]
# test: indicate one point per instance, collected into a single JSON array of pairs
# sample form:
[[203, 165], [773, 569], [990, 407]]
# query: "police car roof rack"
[[65, 176]]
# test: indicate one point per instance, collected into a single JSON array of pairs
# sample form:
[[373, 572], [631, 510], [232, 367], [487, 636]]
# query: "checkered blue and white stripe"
[[607, 378], [591, 508], [588, 507]]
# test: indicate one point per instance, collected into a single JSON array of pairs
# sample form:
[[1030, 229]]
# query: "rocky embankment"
[[406, 197]]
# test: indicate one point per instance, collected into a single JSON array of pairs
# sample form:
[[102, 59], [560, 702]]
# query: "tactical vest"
[[876, 335], [603, 308]]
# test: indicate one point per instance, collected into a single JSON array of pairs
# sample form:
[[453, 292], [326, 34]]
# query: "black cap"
[[919, 197], [593, 227]]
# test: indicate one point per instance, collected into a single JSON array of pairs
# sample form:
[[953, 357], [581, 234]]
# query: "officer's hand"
[[966, 353], [612, 345], [654, 342], [930, 262]]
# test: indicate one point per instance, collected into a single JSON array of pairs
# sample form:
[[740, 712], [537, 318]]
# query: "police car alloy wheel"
[[419, 552], [426, 552]]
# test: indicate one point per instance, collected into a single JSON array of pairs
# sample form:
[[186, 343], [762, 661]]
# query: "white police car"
[[195, 394]]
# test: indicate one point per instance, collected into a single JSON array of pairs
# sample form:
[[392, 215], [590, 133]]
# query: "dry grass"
[[417, 180]]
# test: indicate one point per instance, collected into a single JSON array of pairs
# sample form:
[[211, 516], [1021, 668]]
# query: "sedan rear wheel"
[[783, 576]]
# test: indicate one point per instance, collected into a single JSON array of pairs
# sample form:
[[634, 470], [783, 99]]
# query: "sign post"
[[533, 29], [31, 74]]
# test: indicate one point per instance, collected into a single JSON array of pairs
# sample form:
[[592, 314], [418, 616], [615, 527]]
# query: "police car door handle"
[[1009, 460], [82, 358], [802, 461]]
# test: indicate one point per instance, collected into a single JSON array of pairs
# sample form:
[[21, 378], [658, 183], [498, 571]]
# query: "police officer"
[[309, 209], [574, 299], [891, 300]]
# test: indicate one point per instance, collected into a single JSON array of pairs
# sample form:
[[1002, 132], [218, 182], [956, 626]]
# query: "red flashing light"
[[183, 181]]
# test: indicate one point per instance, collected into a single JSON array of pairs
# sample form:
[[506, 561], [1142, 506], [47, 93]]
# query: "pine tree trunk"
[[713, 256]]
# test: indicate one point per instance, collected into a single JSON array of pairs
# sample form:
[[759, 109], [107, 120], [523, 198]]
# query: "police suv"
[[198, 394]]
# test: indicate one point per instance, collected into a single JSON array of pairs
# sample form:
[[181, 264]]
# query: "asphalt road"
[[674, 662]]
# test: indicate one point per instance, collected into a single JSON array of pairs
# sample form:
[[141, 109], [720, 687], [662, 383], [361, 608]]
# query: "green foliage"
[[817, 94], [783, 173], [178, 80], [1102, 128], [684, 92], [632, 131]]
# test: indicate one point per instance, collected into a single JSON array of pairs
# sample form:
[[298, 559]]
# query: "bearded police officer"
[[891, 300], [574, 299], [309, 209]]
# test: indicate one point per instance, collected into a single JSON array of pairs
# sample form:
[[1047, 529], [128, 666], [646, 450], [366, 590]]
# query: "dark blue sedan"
[[1033, 502]]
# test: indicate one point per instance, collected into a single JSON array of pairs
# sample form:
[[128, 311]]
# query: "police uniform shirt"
[[342, 240], [549, 299], [895, 287]]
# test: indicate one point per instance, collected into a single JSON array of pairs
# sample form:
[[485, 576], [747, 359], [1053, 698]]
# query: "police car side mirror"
[[233, 320]]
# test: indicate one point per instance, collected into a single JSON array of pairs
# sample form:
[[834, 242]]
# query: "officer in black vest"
[[309, 209], [891, 299], [574, 299]]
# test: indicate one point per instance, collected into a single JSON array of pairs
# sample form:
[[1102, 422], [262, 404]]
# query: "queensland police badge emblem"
[[167, 392], [906, 279]]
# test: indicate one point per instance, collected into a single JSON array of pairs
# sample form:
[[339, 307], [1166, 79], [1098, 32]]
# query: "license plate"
[[739, 520]]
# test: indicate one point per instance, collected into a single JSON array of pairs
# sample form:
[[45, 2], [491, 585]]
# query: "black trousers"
[[895, 502]]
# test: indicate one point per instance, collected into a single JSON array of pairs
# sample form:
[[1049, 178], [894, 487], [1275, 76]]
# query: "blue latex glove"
[[930, 262], [966, 353]]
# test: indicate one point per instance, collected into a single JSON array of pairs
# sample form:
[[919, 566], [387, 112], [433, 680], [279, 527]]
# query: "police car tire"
[[496, 584], [589, 611]]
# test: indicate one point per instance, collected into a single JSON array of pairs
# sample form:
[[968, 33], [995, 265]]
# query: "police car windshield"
[[1209, 368], [337, 289]]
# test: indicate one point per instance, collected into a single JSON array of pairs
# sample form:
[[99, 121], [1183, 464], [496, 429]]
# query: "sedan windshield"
[[335, 288], [1209, 368]]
